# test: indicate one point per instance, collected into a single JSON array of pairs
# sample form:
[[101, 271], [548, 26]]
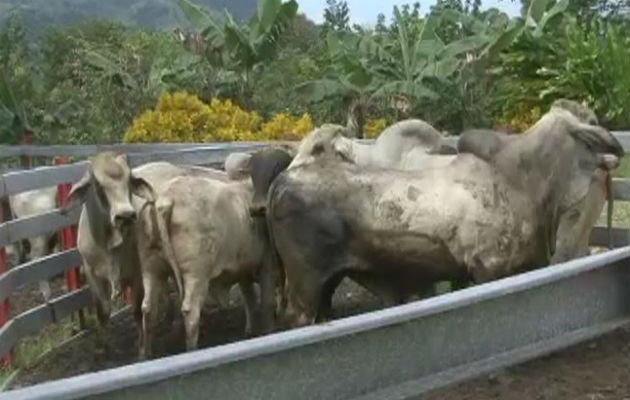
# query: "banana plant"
[[247, 46], [18, 125], [210, 29], [348, 77]]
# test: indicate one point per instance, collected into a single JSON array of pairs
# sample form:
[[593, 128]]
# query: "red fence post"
[[69, 237], [4, 307]]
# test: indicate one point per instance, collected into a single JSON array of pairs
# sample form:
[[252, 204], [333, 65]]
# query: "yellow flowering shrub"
[[177, 117], [373, 127], [182, 117], [521, 118], [286, 127], [228, 122]]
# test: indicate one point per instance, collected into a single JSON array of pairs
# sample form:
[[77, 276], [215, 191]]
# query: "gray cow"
[[398, 232], [590, 182]]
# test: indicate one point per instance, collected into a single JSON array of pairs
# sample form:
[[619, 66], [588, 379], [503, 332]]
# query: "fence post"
[[28, 137], [69, 238], [4, 307]]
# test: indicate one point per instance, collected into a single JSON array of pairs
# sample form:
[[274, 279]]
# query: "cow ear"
[[79, 190], [596, 138], [122, 158], [343, 149], [142, 188]]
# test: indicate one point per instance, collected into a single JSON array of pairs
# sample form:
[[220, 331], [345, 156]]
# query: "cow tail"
[[275, 257], [164, 207], [609, 213]]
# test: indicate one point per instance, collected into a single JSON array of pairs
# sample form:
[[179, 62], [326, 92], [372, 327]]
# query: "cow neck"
[[99, 223], [540, 162]]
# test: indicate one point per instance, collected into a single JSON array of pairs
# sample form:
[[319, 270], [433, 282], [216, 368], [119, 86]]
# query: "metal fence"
[[394, 353]]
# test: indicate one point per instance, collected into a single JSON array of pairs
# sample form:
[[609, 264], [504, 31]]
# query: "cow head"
[[583, 156], [106, 189], [326, 141], [265, 166], [237, 165]]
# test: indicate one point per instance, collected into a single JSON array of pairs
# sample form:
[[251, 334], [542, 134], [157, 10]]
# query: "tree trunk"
[[28, 137], [360, 116]]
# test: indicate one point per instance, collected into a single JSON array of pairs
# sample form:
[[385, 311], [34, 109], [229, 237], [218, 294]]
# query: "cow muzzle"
[[607, 161]]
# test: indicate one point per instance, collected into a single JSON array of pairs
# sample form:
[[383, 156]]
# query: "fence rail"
[[276, 345], [34, 271], [396, 353]]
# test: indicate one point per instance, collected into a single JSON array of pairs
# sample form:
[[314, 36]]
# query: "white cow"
[[408, 144], [212, 242], [28, 204], [112, 196]]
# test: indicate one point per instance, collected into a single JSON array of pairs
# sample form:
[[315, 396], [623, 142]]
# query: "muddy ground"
[[598, 370]]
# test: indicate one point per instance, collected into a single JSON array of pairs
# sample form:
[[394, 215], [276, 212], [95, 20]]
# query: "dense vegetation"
[[457, 66]]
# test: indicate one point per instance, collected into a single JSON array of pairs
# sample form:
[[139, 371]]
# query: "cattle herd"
[[396, 216]]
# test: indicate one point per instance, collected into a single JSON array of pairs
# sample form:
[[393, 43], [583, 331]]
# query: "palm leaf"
[[556, 10], [465, 45], [7, 100], [411, 89], [317, 90], [269, 32]]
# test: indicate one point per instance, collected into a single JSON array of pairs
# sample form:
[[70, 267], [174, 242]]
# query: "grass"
[[621, 215], [621, 209], [5, 374], [29, 349], [623, 171]]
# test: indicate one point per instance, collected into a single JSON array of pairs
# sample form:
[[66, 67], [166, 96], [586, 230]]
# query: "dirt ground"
[[30, 296], [599, 370]]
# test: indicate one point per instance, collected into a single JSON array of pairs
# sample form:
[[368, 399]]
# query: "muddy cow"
[[589, 188], [397, 232]]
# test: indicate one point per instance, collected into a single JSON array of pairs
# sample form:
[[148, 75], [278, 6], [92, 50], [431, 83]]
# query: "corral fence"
[[396, 353]]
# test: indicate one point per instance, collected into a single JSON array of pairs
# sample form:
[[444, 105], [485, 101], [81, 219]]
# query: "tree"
[[336, 16], [347, 77], [17, 123], [248, 46]]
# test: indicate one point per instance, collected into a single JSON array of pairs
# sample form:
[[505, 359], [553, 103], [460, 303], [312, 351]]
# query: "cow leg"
[[103, 310], [150, 305], [385, 291], [195, 293], [304, 301], [325, 306], [137, 294], [249, 297], [44, 288], [268, 296]]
